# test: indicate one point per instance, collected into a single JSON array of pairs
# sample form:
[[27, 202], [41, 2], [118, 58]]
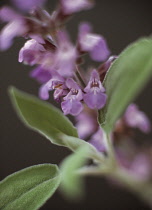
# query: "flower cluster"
[[56, 58], [58, 67]]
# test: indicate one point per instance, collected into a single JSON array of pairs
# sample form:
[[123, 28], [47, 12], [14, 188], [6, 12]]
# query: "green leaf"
[[125, 79], [42, 116], [29, 188], [72, 183], [74, 144], [49, 121]]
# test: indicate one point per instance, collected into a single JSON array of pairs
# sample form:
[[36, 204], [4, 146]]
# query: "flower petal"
[[10, 31], [71, 107], [137, 119], [7, 14], [97, 140], [27, 5], [71, 6], [95, 101], [100, 51], [40, 74]]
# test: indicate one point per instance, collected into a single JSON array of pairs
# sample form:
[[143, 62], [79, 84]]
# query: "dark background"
[[121, 22]]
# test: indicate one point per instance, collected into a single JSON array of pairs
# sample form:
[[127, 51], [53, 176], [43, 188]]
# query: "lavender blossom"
[[65, 55], [97, 140], [31, 52], [7, 14], [71, 6], [56, 80], [60, 92], [95, 97], [86, 123], [92, 43], [71, 104], [28, 4], [41, 74], [137, 119], [62, 58], [141, 166], [16, 27]]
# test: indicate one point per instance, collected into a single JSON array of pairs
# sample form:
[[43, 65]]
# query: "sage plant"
[[99, 97]]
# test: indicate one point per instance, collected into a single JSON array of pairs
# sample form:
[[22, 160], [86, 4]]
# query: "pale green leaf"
[[72, 183], [125, 79], [29, 188], [74, 144], [42, 116]]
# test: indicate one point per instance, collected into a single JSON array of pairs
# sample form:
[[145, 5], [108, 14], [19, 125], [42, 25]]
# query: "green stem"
[[111, 159], [140, 187], [94, 170]]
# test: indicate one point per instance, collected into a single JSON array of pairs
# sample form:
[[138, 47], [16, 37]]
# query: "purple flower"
[[92, 43], [97, 140], [60, 92], [141, 166], [31, 52], [16, 27], [71, 104], [65, 55], [57, 81], [137, 119], [41, 74], [71, 6], [95, 97], [7, 14], [86, 123], [103, 68], [28, 4]]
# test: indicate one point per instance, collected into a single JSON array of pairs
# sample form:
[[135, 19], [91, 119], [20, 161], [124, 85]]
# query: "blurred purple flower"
[[141, 166], [16, 27], [71, 104], [97, 140], [92, 43], [65, 55], [137, 119], [86, 124], [31, 52], [26, 5], [95, 97], [7, 14], [40, 74], [70, 6], [56, 80]]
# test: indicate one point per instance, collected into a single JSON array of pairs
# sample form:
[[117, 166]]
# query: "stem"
[[111, 152], [111, 169], [140, 187], [79, 77], [111, 160], [94, 170]]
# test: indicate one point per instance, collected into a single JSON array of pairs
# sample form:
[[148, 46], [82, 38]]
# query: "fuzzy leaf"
[[74, 144], [29, 188], [125, 79], [50, 122], [72, 183], [42, 116]]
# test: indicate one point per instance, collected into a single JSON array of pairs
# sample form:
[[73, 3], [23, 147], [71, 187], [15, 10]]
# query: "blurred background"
[[120, 22]]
